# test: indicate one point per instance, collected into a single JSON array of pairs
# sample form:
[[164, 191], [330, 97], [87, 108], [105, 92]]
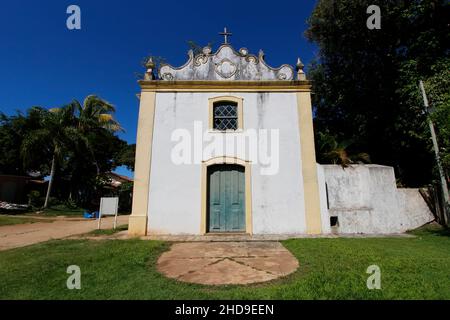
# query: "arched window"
[[225, 114]]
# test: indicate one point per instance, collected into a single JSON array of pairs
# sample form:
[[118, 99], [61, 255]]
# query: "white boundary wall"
[[366, 200]]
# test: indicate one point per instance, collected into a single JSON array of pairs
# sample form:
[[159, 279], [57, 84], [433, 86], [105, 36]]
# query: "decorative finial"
[[300, 73], [243, 51], [206, 50], [225, 34], [150, 65]]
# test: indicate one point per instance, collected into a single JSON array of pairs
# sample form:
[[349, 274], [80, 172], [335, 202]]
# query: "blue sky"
[[42, 63]]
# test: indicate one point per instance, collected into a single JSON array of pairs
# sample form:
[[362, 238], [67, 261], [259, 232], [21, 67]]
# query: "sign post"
[[108, 207]]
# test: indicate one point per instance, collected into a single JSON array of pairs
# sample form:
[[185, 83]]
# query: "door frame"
[[248, 191]]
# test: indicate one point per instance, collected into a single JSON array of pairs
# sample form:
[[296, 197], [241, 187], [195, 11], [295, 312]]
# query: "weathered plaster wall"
[[366, 200], [325, 217], [415, 210], [175, 190]]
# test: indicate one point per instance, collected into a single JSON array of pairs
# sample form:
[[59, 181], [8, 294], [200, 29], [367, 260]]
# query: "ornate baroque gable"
[[225, 64]]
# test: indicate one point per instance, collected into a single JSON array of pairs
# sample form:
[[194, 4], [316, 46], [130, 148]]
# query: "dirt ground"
[[21, 235]]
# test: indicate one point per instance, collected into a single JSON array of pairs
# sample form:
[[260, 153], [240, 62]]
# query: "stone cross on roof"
[[225, 34]]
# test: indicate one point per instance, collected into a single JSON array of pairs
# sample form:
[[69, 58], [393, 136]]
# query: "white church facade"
[[225, 144]]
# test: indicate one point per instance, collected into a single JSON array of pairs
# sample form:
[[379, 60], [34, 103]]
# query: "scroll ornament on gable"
[[228, 64]]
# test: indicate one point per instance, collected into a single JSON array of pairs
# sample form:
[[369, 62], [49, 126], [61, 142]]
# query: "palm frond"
[[97, 105], [34, 143]]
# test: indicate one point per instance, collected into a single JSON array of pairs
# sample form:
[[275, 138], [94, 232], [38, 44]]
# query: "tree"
[[13, 129], [78, 138], [54, 137], [76, 145], [95, 113], [438, 93], [336, 152], [10, 140], [365, 81], [126, 156], [94, 121]]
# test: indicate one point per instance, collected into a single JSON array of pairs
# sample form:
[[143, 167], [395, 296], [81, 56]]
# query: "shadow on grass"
[[108, 232], [61, 210], [432, 229]]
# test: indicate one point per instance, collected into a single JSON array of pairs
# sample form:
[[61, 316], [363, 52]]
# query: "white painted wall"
[[324, 215], [415, 210], [366, 200], [175, 190]]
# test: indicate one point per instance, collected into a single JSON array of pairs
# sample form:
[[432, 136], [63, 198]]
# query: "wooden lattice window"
[[225, 116]]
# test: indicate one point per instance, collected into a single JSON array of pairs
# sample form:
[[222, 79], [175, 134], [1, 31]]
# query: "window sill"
[[226, 131]]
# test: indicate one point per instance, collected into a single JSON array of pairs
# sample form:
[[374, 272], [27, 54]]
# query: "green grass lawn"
[[412, 268], [8, 220], [108, 232], [62, 210]]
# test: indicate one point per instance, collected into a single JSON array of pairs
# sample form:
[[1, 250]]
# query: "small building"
[[116, 180], [15, 189], [225, 144]]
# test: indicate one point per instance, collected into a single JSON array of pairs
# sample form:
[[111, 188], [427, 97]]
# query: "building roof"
[[118, 179], [226, 64]]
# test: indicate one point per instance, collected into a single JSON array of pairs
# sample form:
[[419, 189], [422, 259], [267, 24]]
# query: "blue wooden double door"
[[226, 198]]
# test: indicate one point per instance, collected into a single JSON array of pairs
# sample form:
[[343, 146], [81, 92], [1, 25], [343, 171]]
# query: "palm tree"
[[53, 137], [67, 129], [330, 150], [95, 113]]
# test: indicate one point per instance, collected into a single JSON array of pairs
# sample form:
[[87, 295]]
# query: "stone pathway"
[[220, 263], [21, 235]]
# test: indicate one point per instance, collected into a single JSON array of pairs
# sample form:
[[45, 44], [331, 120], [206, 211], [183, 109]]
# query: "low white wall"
[[324, 215], [366, 200], [415, 210]]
